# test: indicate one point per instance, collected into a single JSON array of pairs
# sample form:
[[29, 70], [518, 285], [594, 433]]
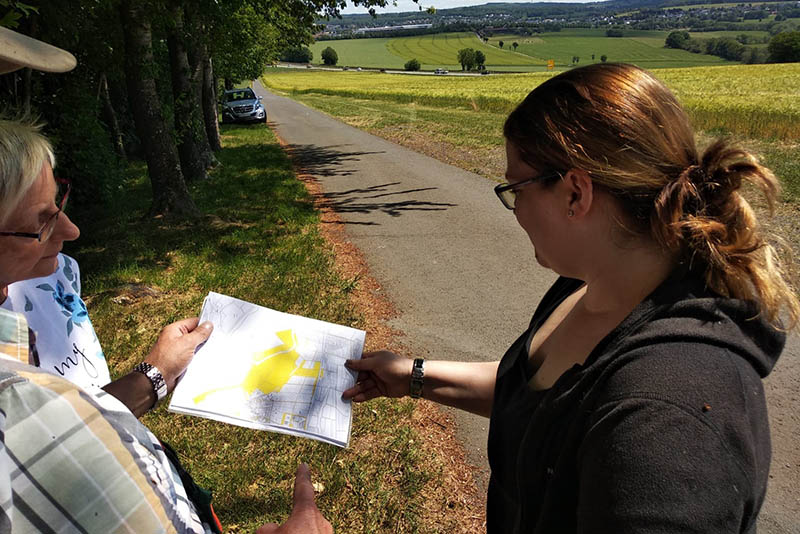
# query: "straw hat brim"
[[18, 51]]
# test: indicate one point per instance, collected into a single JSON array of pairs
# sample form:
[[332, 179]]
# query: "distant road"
[[365, 69], [462, 273]]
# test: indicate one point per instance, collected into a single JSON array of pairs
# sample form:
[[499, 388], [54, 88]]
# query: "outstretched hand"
[[305, 518], [175, 347], [380, 374]]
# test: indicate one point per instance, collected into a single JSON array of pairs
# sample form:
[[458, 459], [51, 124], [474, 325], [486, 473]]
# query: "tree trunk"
[[110, 118], [118, 92], [194, 38], [187, 109], [210, 103], [170, 195]]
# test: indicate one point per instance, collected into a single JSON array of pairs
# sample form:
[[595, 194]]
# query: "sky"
[[409, 5]]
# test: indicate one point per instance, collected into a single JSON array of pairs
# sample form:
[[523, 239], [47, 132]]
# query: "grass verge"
[[259, 241]]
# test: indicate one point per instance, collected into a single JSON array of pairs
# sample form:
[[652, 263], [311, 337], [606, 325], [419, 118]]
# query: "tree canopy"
[[412, 65], [466, 57], [329, 56], [785, 47], [102, 113]]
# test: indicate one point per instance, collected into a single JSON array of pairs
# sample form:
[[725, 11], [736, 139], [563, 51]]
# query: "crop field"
[[643, 48], [754, 101]]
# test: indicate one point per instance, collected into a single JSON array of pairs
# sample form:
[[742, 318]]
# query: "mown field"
[[644, 48], [444, 47], [432, 51], [753, 101]]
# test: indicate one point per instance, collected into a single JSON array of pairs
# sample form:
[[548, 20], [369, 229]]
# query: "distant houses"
[[393, 28]]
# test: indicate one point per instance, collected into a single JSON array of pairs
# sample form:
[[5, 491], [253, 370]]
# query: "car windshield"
[[244, 94]]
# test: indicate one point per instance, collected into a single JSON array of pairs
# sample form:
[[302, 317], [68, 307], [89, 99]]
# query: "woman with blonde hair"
[[633, 402]]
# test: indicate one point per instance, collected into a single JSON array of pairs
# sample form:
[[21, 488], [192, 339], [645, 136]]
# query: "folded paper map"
[[270, 370]]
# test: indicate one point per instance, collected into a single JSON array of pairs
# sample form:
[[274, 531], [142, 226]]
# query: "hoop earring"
[[570, 213]]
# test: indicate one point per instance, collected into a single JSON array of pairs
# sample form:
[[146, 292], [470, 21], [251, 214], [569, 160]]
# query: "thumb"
[[363, 364], [303, 490], [201, 333]]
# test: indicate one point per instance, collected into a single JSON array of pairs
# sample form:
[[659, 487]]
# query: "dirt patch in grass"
[[451, 496]]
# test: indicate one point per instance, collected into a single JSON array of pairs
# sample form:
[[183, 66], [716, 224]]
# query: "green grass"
[[784, 160], [258, 241]]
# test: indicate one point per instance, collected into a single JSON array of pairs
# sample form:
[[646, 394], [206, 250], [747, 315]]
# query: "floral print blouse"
[[65, 338]]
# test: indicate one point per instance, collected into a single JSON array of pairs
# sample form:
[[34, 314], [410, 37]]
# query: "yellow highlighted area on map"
[[271, 369]]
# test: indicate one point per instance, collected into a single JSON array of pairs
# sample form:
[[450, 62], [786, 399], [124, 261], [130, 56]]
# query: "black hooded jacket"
[[662, 430]]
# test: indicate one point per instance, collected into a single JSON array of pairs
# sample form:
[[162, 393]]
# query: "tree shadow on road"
[[362, 201], [325, 160]]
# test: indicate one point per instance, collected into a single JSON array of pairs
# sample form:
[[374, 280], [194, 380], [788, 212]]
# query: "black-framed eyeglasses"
[[44, 233], [507, 193]]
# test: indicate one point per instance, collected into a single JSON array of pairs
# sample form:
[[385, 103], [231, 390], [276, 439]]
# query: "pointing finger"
[[303, 490]]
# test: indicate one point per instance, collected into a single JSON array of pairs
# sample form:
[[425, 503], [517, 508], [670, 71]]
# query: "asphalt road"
[[462, 274]]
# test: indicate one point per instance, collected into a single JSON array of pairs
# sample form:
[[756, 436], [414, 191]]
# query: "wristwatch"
[[417, 375], [156, 379]]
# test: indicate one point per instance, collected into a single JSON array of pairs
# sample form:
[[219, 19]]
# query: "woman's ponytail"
[[703, 217]]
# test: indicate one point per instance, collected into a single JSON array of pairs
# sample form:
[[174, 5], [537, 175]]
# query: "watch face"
[[417, 373], [155, 377]]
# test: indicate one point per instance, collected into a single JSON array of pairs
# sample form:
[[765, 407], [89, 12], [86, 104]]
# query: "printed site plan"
[[270, 370]]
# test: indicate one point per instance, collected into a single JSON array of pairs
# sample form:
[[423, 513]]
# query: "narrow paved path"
[[462, 273]]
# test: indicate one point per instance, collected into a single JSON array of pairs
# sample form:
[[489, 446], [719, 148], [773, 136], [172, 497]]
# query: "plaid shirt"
[[75, 462]]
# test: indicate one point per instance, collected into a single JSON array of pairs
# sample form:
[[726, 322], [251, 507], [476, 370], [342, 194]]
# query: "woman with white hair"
[[43, 284], [70, 461]]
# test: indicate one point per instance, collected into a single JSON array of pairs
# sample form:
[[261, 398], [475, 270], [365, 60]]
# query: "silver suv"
[[242, 105]]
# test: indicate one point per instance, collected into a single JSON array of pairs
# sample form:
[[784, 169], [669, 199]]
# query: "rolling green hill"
[[644, 48], [432, 51], [442, 49], [360, 52]]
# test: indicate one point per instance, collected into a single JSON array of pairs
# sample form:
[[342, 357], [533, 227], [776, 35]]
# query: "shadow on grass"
[[251, 200]]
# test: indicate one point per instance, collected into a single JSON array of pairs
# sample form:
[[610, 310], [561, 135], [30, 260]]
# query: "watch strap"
[[156, 379], [417, 378]]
